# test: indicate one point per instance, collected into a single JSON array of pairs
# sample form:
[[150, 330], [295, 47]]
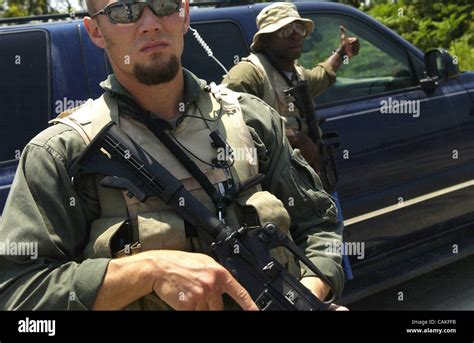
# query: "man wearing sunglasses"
[[86, 260], [272, 68]]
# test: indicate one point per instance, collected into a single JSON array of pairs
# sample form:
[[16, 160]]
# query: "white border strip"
[[5, 187], [410, 202]]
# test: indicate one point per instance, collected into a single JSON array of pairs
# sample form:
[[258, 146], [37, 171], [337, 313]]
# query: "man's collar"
[[192, 86], [112, 85]]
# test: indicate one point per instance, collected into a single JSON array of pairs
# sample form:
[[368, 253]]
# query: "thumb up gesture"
[[349, 45]]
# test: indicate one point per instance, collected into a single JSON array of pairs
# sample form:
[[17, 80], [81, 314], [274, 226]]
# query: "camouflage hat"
[[274, 17]]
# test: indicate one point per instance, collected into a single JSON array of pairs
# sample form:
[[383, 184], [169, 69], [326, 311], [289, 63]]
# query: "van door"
[[399, 145]]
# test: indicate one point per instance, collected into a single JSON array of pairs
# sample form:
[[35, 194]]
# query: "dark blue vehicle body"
[[406, 183]]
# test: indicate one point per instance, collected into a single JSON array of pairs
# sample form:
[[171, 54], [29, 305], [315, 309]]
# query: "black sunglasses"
[[129, 11]]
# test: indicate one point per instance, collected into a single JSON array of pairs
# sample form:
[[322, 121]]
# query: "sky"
[[62, 4]]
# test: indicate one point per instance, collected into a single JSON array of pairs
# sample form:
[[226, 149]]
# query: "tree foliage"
[[20, 8], [431, 24]]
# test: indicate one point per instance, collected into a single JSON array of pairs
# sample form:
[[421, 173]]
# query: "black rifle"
[[244, 252], [325, 152]]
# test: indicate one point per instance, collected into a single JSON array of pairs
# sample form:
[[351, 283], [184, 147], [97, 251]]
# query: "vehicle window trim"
[[412, 65], [8, 163]]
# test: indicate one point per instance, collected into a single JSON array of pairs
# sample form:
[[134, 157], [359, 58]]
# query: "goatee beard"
[[157, 74]]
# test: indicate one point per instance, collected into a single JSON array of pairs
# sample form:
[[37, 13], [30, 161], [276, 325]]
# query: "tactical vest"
[[273, 86], [154, 224]]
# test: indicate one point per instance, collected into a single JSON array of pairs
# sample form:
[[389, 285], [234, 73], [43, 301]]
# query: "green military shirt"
[[45, 207]]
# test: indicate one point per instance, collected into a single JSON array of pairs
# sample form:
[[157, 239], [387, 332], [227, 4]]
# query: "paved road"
[[448, 288]]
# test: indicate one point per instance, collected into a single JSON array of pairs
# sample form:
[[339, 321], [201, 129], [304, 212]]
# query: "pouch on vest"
[[263, 208], [105, 235], [162, 230]]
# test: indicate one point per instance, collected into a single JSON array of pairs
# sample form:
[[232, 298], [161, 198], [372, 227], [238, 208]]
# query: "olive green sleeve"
[[313, 213], [320, 78], [244, 78], [43, 209]]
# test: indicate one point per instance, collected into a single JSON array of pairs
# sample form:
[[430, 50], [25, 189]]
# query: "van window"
[[380, 67], [227, 43], [24, 89]]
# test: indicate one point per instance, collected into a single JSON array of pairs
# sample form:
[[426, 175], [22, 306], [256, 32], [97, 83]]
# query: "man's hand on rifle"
[[300, 140], [185, 281], [321, 290], [190, 281]]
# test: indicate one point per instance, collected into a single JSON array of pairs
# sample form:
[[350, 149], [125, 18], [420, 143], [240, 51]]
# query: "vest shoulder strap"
[[91, 117], [233, 116], [272, 81], [256, 62], [228, 99]]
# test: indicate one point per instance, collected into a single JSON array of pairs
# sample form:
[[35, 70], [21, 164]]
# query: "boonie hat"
[[274, 17]]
